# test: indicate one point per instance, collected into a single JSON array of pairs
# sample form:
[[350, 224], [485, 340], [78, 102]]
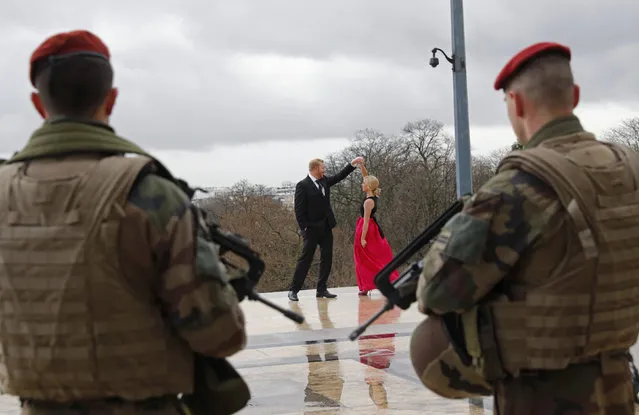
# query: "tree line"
[[416, 170]]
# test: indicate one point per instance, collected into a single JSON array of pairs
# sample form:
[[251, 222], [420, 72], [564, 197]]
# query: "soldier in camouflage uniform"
[[532, 290], [110, 284]]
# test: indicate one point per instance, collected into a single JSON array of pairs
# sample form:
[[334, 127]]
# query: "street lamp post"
[[462, 128], [460, 90]]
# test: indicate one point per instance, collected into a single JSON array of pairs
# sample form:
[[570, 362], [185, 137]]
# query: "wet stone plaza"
[[313, 368]]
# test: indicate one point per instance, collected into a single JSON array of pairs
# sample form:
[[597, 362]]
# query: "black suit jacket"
[[312, 209]]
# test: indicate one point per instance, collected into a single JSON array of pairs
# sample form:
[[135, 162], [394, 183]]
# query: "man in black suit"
[[316, 221]]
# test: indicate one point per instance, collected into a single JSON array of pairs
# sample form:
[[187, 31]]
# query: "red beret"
[[517, 62], [78, 41]]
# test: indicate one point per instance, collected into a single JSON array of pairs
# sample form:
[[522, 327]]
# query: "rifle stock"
[[401, 292]]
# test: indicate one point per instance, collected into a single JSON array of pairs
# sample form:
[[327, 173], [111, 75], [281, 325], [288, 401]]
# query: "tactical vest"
[[71, 326], [580, 296]]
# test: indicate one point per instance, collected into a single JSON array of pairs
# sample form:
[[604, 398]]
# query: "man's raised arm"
[[342, 174]]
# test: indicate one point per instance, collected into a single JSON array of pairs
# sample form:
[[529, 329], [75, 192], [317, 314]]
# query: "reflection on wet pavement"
[[313, 368]]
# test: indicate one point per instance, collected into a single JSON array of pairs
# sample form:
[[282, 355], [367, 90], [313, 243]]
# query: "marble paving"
[[313, 368]]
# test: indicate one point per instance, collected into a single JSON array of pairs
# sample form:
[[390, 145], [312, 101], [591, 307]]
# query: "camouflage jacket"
[[480, 245], [159, 238], [193, 284]]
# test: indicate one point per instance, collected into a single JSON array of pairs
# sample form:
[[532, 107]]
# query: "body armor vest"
[[575, 296], [71, 326]]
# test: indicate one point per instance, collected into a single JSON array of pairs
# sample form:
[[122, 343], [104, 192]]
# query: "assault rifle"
[[401, 292], [218, 388], [244, 281]]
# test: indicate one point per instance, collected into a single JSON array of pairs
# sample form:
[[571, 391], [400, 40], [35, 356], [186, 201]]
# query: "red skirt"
[[370, 260]]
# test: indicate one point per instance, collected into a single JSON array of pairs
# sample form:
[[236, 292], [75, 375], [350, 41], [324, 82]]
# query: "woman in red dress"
[[371, 250]]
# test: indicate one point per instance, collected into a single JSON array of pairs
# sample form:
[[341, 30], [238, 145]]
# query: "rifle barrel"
[[358, 331], [252, 295]]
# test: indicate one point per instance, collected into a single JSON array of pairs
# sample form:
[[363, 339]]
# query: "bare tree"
[[627, 133], [485, 167]]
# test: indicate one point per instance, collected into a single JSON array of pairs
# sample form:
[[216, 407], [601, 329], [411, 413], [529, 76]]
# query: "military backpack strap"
[[632, 158], [110, 182], [570, 182]]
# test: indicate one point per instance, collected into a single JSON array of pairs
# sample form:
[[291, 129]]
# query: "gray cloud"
[[196, 74]]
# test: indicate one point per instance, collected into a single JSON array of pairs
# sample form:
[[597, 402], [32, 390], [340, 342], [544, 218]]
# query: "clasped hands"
[[357, 161]]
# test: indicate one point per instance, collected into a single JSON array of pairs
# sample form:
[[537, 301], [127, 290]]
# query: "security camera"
[[433, 62]]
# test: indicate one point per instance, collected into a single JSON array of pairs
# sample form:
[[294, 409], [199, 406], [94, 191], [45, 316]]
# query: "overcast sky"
[[229, 89]]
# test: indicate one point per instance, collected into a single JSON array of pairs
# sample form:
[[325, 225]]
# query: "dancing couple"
[[316, 221]]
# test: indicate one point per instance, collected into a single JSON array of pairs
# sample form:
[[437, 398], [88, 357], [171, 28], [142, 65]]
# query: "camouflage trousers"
[[160, 406], [596, 388]]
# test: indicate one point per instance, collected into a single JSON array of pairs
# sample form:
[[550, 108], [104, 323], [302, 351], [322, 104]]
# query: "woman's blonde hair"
[[373, 184]]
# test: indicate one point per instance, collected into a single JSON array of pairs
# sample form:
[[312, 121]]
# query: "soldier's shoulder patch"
[[467, 238]]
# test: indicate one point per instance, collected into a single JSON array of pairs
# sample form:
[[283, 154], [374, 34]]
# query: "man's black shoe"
[[292, 296], [325, 294]]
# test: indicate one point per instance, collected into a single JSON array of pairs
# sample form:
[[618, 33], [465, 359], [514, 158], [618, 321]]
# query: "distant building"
[[284, 193]]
